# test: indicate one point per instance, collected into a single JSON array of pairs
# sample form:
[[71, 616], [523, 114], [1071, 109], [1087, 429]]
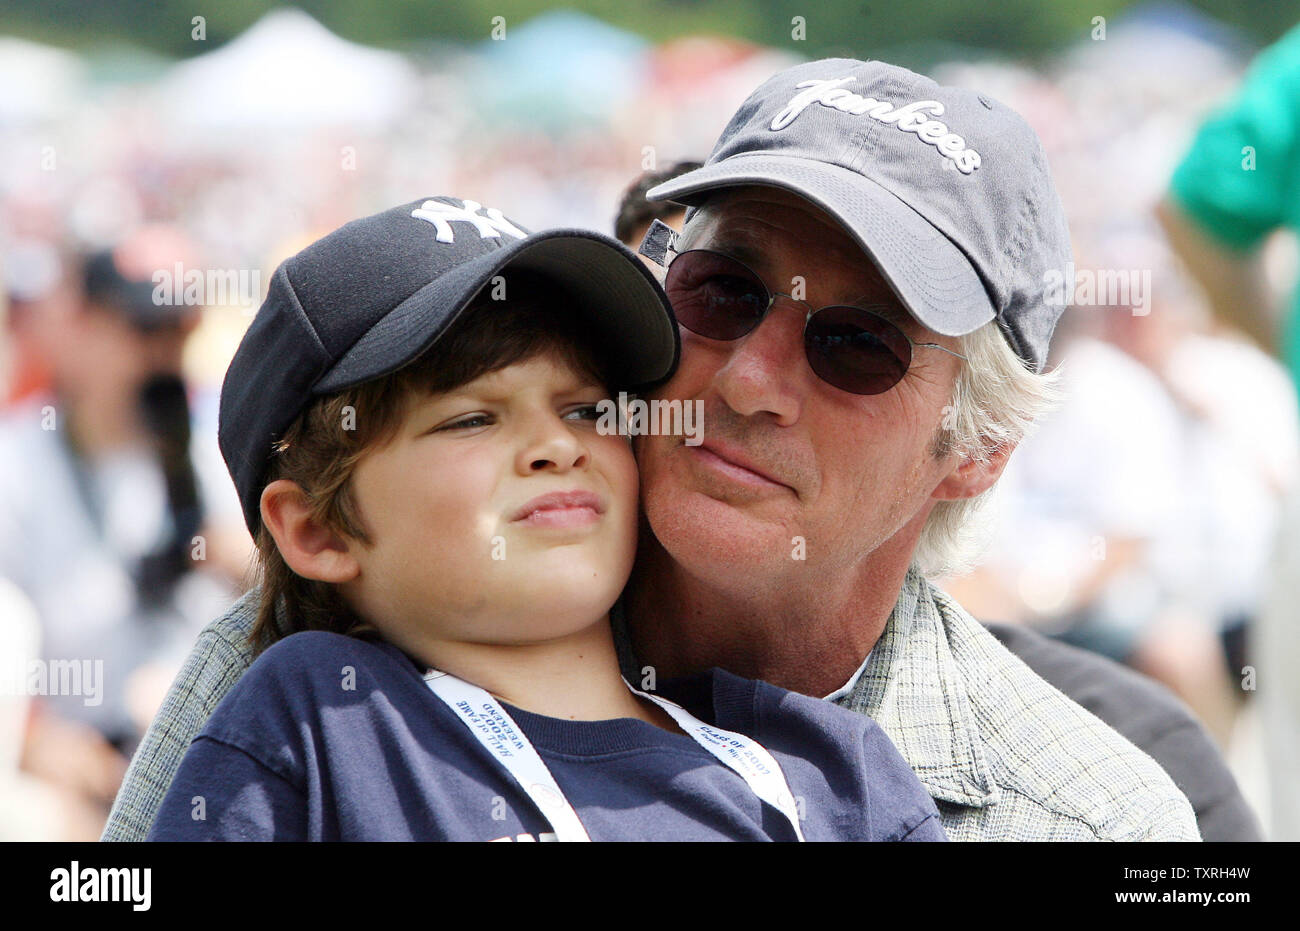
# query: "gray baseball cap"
[[947, 190]]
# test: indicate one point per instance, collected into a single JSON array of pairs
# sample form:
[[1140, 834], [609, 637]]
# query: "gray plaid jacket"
[[1005, 755]]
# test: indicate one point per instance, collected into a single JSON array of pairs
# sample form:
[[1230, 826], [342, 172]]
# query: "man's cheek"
[[697, 365]]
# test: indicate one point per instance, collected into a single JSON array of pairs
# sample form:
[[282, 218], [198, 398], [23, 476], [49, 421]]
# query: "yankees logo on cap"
[[373, 295], [960, 215], [909, 117], [490, 225]]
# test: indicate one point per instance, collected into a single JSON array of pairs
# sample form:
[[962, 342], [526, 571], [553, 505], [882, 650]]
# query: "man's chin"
[[698, 529]]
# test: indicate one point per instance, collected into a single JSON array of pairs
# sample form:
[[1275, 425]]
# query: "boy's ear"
[[309, 548]]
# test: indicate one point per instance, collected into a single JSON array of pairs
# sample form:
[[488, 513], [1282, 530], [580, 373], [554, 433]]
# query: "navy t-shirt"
[[328, 737]]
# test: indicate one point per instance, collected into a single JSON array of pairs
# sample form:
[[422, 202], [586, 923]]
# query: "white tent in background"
[[287, 70], [37, 82]]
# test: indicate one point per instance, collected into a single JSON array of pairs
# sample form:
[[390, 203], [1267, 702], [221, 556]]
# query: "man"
[[1141, 709], [841, 453]]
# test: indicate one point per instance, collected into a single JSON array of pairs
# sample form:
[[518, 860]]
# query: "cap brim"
[[627, 309], [929, 273]]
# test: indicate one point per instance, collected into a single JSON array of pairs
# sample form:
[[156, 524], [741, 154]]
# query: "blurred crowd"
[[1138, 521]]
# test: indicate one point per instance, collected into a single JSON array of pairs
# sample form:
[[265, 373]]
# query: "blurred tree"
[[862, 28]]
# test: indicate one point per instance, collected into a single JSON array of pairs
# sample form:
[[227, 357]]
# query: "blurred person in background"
[[1234, 188], [1136, 521], [32, 275], [636, 213], [105, 510], [1132, 528], [1234, 428], [31, 808]]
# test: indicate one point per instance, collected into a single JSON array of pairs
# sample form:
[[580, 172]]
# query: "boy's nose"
[[554, 447]]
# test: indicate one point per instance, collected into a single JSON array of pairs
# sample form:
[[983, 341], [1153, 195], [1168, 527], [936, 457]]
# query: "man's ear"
[[969, 478], [310, 549]]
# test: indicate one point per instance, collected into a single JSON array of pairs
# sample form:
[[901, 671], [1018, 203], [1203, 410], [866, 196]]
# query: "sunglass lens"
[[856, 350], [713, 295]]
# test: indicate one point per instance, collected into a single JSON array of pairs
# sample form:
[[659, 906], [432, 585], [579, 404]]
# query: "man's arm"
[[220, 656], [1234, 186], [1150, 717], [1233, 280]]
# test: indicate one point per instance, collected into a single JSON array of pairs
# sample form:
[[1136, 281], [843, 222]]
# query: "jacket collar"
[[915, 690]]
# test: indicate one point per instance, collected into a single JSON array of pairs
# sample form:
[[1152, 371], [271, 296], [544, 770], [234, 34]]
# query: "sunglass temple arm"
[[659, 239]]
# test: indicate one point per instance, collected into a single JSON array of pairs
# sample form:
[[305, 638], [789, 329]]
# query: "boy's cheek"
[[619, 454]]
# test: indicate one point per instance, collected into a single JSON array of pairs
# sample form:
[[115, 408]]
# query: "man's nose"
[[767, 369], [551, 444]]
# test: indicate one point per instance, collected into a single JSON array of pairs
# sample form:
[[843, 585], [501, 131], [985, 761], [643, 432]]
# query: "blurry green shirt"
[[1237, 204]]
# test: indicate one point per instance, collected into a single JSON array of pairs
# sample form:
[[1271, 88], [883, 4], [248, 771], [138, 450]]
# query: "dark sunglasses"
[[853, 348]]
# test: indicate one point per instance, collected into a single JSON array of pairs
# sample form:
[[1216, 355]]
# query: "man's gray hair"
[[995, 402]]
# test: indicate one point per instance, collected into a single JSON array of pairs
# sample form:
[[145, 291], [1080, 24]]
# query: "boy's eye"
[[586, 412], [477, 420]]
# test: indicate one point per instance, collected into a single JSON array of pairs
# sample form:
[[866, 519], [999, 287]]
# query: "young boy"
[[411, 424]]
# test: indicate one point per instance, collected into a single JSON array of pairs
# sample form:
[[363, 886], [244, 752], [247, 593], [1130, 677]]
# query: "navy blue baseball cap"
[[376, 293], [947, 190]]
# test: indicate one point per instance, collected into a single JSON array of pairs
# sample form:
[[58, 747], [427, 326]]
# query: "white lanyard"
[[744, 755], [499, 734], [495, 730]]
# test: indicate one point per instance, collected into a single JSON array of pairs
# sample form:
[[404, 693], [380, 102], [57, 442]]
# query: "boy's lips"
[[561, 508]]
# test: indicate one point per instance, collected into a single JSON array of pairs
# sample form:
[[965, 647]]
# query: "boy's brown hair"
[[322, 447]]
